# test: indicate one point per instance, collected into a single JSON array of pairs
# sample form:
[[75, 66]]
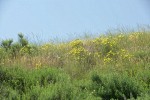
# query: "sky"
[[66, 19]]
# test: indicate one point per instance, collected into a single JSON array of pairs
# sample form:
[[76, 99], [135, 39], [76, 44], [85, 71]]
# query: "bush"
[[46, 76], [8, 93], [58, 91], [34, 83], [16, 78], [115, 87]]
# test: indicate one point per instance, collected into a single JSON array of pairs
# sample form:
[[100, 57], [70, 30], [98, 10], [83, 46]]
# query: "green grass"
[[113, 66]]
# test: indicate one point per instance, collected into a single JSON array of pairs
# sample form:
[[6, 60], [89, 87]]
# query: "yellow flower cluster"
[[110, 54], [105, 45], [77, 51], [108, 49], [105, 41], [110, 57], [107, 60], [125, 54], [76, 43], [122, 54], [38, 65]]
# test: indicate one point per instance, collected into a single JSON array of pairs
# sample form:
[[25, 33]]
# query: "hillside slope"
[[114, 66]]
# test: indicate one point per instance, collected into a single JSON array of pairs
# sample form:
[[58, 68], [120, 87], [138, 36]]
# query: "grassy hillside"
[[114, 66]]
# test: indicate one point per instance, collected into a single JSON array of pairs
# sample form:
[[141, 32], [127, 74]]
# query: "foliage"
[[113, 66], [115, 87]]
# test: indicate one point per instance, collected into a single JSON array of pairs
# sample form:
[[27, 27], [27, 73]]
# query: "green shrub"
[[22, 81], [7, 93], [144, 77], [7, 44], [115, 87], [16, 78], [45, 76], [58, 91], [144, 97]]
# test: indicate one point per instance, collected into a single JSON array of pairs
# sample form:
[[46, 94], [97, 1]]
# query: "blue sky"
[[64, 19]]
